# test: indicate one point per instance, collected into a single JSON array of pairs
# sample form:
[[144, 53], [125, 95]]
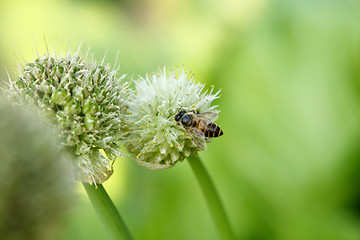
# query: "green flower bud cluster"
[[85, 101], [35, 189]]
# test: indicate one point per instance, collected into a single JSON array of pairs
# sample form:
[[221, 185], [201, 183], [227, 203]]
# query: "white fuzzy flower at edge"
[[153, 135]]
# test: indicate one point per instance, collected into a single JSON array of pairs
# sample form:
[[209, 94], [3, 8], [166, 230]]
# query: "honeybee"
[[199, 126]]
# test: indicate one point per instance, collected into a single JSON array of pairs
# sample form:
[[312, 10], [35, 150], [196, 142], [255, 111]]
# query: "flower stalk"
[[212, 198], [108, 214]]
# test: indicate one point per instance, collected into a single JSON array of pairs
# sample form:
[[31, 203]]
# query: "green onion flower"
[[85, 100], [35, 189], [153, 135]]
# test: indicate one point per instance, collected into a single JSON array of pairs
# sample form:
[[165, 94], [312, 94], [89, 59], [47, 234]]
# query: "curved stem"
[[109, 216], [212, 198]]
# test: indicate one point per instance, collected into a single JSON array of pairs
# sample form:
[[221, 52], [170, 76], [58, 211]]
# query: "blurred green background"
[[288, 165]]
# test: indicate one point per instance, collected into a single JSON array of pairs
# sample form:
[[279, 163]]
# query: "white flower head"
[[85, 101], [153, 135]]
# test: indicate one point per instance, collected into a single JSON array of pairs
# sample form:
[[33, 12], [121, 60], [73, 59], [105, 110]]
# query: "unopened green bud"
[[77, 93], [72, 107], [60, 96], [89, 122], [90, 107]]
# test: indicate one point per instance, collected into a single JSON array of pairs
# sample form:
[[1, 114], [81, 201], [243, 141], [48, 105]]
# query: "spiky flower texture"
[[154, 136], [85, 100]]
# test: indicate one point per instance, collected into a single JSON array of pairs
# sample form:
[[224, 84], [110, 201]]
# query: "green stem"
[[212, 198], [109, 216]]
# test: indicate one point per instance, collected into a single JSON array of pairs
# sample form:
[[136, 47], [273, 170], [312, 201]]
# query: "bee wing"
[[197, 137], [210, 116]]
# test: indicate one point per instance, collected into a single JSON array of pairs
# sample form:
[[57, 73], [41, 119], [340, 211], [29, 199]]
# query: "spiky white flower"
[[153, 135], [85, 100]]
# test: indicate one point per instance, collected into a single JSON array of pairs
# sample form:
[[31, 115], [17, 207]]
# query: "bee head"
[[179, 115], [186, 121]]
